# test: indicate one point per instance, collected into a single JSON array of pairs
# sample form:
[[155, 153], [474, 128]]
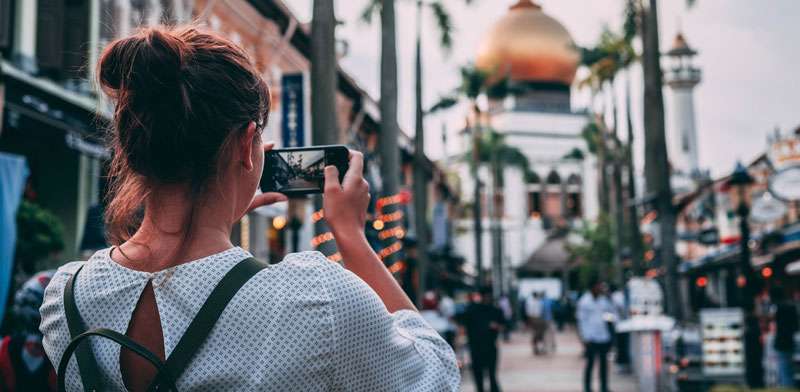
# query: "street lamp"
[[753, 350]]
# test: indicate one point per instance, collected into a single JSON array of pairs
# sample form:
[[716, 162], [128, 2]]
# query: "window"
[[5, 24], [62, 36]]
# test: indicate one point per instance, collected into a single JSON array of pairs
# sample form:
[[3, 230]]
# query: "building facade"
[[54, 118]]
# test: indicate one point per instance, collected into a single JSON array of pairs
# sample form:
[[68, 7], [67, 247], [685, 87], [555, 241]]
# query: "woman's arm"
[[345, 207]]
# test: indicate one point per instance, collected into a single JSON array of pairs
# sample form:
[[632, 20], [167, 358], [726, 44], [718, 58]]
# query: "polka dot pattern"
[[305, 324]]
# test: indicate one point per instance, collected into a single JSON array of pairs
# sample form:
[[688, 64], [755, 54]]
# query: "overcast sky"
[[748, 55]]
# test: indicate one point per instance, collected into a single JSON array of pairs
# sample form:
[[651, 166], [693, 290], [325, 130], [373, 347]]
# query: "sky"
[[747, 53]]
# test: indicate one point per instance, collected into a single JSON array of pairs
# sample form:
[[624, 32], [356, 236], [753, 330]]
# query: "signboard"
[[293, 129], [645, 298], [723, 350], [785, 184], [785, 152], [767, 209]]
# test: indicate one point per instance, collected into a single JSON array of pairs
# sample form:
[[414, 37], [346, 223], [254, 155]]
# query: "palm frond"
[[473, 81], [372, 7], [444, 103], [444, 24]]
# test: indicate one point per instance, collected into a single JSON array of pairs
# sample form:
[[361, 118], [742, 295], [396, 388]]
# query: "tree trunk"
[[635, 239], [324, 124], [420, 174], [616, 182], [389, 129], [657, 172], [476, 194], [496, 217]]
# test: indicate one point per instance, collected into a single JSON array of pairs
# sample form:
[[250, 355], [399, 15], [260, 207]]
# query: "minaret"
[[682, 77]]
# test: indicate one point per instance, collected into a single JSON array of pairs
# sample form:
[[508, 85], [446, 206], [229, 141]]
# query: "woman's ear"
[[246, 146]]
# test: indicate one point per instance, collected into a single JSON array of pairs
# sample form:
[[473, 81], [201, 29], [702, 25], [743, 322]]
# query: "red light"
[[766, 272], [702, 281], [741, 281]]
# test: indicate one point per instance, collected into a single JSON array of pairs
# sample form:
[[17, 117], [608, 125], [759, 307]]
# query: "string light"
[[766, 272], [392, 217], [279, 222], [317, 216], [397, 267], [390, 250], [336, 257], [702, 281], [322, 238], [377, 224], [397, 232]]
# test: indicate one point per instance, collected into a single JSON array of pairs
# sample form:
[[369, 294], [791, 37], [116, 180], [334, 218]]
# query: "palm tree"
[[657, 172], [444, 25], [473, 83], [323, 84]]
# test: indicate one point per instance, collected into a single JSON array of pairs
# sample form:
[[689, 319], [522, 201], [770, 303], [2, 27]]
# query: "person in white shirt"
[[594, 312], [534, 309]]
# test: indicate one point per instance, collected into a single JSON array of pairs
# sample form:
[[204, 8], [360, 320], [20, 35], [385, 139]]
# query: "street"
[[520, 371]]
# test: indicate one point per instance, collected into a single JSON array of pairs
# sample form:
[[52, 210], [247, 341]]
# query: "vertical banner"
[[293, 130], [13, 174]]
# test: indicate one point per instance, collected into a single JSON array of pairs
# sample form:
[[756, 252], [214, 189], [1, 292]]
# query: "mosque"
[[537, 54]]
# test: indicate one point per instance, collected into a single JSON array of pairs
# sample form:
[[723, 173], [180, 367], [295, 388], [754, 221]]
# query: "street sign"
[[785, 184], [292, 111], [767, 209], [723, 349], [708, 236]]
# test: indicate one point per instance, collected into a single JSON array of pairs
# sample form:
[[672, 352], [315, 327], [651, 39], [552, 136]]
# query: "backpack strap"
[[207, 316], [87, 364], [163, 375]]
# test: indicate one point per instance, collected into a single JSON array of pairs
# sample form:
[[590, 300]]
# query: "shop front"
[[56, 132]]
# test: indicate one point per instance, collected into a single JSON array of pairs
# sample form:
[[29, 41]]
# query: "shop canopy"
[[552, 256]]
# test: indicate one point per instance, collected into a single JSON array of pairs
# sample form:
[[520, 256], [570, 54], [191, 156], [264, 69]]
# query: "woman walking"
[[187, 159]]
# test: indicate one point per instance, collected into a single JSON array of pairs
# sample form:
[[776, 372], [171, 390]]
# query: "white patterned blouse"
[[305, 324]]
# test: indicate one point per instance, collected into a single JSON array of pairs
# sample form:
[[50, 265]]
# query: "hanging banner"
[[292, 111], [13, 174]]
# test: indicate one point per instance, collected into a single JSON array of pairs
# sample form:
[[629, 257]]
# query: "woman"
[[187, 159]]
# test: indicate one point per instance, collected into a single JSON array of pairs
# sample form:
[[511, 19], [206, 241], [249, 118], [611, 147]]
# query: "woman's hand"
[[346, 204], [268, 198]]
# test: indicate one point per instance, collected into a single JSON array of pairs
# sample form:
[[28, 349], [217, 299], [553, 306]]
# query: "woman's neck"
[[175, 229]]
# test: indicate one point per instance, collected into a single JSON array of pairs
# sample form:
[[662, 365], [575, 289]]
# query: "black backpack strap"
[[163, 375], [207, 316], [87, 365]]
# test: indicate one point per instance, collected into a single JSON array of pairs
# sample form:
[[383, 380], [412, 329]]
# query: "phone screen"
[[301, 170]]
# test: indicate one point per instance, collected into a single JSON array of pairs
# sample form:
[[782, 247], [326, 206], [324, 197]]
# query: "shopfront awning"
[[550, 257]]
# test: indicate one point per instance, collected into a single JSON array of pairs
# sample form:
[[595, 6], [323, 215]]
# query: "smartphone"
[[301, 171]]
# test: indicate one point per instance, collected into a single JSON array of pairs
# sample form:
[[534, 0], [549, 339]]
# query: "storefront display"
[[723, 349]]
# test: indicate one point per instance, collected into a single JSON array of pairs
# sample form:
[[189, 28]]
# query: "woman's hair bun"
[[145, 62]]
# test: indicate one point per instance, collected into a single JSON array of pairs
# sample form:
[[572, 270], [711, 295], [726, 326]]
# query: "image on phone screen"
[[299, 171]]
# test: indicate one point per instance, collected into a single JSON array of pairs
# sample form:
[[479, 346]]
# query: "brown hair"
[[181, 95]]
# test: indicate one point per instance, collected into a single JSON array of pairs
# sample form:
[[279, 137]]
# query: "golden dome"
[[528, 45]]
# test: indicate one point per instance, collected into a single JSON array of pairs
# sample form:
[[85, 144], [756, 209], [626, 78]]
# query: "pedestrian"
[[594, 309], [483, 322], [534, 308], [786, 326], [187, 158], [621, 339], [505, 306], [447, 308], [549, 339], [23, 363]]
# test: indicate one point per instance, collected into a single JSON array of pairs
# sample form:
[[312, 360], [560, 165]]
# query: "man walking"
[[594, 312], [786, 326], [534, 308], [483, 322]]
